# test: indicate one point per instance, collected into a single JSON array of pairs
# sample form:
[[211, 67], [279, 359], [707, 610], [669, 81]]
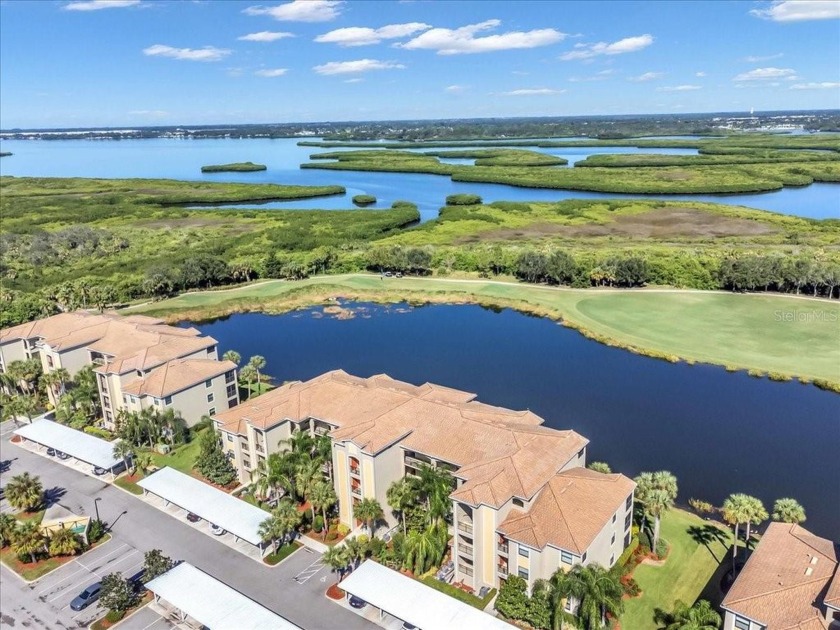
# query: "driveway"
[[143, 527]]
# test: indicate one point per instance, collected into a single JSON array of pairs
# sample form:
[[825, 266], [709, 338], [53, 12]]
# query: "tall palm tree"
[[596, 591], [64, 542], [258, 363], [282, 522], [700, 616], [300, 443], [756, 513], [435, 485], [788, 511], [307, 476], [424, 549], [355, 550], [8, 525], [558, 589], [323, 451], [24, 492], [28, 540], [323, 497], [275, 473], [369, 511], [401, 495], [735, 510], [656, 491], [248, 374], [337, 559], [126, 452], [271, 530], [232, 356]]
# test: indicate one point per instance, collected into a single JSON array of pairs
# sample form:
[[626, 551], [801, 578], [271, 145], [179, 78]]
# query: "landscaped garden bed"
[[459, 594], [282, 553], [30, 571]]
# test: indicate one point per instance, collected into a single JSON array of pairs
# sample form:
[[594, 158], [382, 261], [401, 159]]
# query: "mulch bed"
[[334, 592]]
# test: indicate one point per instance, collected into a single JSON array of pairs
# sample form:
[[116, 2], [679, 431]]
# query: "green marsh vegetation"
[[364, 200], [234, 167]]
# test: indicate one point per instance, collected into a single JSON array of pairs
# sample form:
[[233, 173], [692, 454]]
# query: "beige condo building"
[[139, 361], [523, 504]]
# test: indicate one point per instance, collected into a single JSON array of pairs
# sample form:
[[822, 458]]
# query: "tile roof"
[[781, 584], [570, 511], [174, 376], [499, 452]]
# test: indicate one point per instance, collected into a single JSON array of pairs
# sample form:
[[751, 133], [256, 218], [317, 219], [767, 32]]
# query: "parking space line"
[[304, 576]]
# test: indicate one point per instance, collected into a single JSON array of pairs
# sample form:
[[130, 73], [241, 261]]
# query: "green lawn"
[[697, 550], [283, 552], [457, 593], [31, 572], [742, 331], [181, 458]]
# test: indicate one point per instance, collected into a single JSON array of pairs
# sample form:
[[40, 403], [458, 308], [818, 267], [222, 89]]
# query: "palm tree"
[[271, 530], [248, 374], [64, 542], [355, 550], [735, 510], [323, 451], [300, 443], [24, 492], [601, 467], [788, 511], [425, 549], [369, 511], [323, 498], [401, 495], [232, 356], [258, 363], [598, 592], [307, 476], [656, 492], [125, 451], [274, 473], [558, 588], [8, 525], [282, 522], [56, 381], [28, 540], [435, 485], [337, 559], [700, 616], [756, 513]]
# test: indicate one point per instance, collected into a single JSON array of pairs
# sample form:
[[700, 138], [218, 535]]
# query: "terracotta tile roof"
[[177, 375], [570, 511], [782, 582], [499, 452]]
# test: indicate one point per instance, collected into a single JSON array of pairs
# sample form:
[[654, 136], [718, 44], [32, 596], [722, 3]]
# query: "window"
[[133, 399], [229, 377], [628, 502], [612, 559], [212, 411], [106, 401], [568, 605], [523, 573], [566, 557], [208, 382], [210, 397], [580, 453], [523, 551], [614, 517], [627, 520], [583, 558], [49, 361], [125, 398], [229, 437], [246, 462], [741, 623], [231, 391], [612, 540], [168, 400], [108, 416], [518, 503], [211, 350]]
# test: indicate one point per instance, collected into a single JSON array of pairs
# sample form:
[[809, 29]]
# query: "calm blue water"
[[183, 159], [718, 432]]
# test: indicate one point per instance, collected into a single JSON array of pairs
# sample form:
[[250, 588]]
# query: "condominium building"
[[524, 503], [791, 581], [139, 361]]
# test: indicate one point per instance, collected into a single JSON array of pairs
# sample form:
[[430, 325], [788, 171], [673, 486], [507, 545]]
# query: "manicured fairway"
[[782, 334]]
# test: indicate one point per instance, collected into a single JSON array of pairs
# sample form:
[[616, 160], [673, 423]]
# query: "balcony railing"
[[259, 448], [467, 528], [503, 548], [321, 430], [465, 570], [416, 463], [354, 470], [466, 550], [502, 570], [357, 491]]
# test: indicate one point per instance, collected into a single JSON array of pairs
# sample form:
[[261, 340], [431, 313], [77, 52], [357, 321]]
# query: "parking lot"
[[70, 462], [60, 587]]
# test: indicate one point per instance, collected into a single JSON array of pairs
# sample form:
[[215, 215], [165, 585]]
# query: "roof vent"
[[814, 560], [809, 570]]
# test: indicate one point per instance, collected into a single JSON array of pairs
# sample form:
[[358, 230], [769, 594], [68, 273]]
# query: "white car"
[[216, 530]]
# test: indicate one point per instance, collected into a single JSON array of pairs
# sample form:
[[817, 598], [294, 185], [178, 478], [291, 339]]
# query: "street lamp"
[[96, 507]]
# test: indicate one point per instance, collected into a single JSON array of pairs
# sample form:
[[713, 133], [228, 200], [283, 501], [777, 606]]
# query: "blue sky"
[[145, 62]]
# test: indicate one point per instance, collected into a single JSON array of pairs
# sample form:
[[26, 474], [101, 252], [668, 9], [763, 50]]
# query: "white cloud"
[[679, 88], [760, 74], [356, 80], [799, 10], [264, 36], [759, 58], [456, 89], [272, 72], [825, 85], [96, 5], [363, 36], [532, 92], [700, 74], [463, 41], [622, 46], [360, 65], [647, 76], [208, 53], [300, 11]]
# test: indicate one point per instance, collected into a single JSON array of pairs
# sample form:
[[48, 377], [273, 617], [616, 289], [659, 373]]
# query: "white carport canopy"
[[411, 601], [234, 515], [213, 603], [77, 444]]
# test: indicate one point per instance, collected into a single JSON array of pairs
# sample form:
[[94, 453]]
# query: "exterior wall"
[[341, 479], [577, 461], [71, 360], [231, 445], [388, 468], [463, 525], [729, 622], [605, 550], [12, 351]]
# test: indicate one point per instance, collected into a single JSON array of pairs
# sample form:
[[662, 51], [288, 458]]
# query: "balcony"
[[322, 430], [502, 570], [465, 570], [465, 527], [259, 448], [416, 463], [502, 548], [355, 471], [465, 550]]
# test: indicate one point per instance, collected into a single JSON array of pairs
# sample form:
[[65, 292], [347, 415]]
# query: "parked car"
[[408, 626], [99, 471], [51, 452], [398, 275], [86, 597], [357, 602], [137, 579], [387, 274], [193, 518], [216, 530], [62, 455]]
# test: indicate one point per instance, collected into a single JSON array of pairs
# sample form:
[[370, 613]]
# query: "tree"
[[155, 564], [600, 467], [369, 511], [282, 522], [756, 513], [307, 476], [512, 601], [117, 593], [249, 375], [126, 452], [425, 549], [560, 268], [212, 462], [788, 511], [596, 591], [8, 525], [64, 542], [24, 492], [401, 495], [28, 540], [700, 616], [435, 486], [656, 492], [538, 608], [735, 510], [257, 362], [56, 380], [233, 356], [323, 498], [337, 559], [531, 266]]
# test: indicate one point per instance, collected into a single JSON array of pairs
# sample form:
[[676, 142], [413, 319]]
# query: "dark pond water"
[[183, 159], [718, 432]]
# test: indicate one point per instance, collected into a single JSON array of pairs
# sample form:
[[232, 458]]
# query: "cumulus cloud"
[[264, 36], [300, 11], [363, 36], [761, 74], [700, 74], [96, 5], [647, 76], [352, 67], [622, 46], [825, 85], [759, 58], [799, 10], [464, 40], [455, 89], [532, 92], [208, 53], [679, 88], [272, 72]]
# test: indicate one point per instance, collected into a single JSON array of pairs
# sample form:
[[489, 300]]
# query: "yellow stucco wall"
[[342, 487], [368, 483]]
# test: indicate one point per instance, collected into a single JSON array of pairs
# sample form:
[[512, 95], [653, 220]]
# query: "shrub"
[[364, 200], [701, 507], [342, 529], [400, 203], [113, 616], [662, 548], [628, 553], [318, 525], [96, 531], [631, 587], [513, 598], [98, 432], [463, 199]]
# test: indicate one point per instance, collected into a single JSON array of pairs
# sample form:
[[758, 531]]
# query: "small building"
[[791, 581], [57, 517]]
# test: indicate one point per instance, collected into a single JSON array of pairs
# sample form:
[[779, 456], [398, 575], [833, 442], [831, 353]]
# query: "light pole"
[[96, 507]]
